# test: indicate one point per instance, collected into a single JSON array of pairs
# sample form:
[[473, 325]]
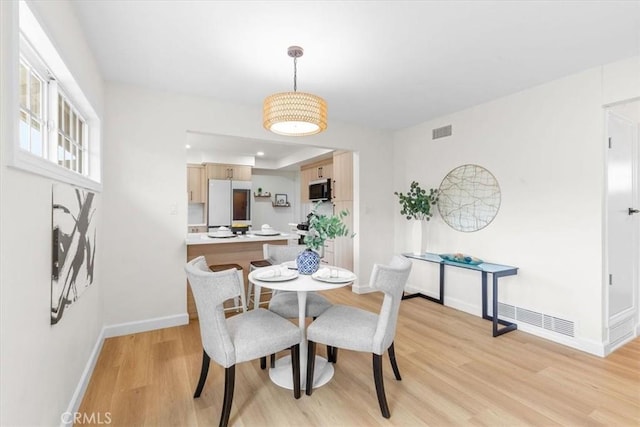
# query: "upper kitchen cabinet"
[[324, 171], [342, 176], [232, 172], [196, 187], [318, 170]]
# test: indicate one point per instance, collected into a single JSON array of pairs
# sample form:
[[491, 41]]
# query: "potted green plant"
[[259, 191], [418, 205], [321, 228]]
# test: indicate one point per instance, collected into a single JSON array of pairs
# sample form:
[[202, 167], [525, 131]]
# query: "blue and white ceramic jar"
[[308, 262]]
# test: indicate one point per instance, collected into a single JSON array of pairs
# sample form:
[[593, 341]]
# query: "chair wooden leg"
[[263, 362], [332, 354], [311, 361], [229, 385], [295, 364], [377, 377], [394, 364], [203, 374]]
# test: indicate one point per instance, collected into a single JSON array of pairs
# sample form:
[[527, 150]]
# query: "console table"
[[496, 270]]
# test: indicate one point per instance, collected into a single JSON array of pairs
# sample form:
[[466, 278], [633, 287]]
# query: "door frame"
[[608, 322]]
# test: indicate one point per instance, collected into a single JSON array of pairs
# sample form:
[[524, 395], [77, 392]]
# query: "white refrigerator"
[[229, 202]]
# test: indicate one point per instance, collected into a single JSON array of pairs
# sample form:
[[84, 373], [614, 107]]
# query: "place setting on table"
[[289, 271]]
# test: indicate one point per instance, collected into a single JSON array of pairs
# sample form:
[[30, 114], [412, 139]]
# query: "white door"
[[622, 236]]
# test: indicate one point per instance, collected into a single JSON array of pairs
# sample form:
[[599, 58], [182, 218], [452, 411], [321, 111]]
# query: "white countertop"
[[204, 239]]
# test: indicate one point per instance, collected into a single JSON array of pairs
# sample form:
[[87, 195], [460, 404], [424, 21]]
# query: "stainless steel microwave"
[[320, 190]]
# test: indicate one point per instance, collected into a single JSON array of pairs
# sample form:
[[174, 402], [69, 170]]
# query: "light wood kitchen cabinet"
[[343, 246], [196, 184], [328, 257], [324, 171], [342, 188], [342, 192], [305, 178], [232, 172]]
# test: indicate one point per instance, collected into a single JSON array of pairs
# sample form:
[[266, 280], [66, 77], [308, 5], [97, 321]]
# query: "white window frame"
[[18, 157], [33, 69]]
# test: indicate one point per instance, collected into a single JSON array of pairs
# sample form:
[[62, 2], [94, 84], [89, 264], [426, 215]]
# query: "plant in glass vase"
[[418, 204], [321, 228]]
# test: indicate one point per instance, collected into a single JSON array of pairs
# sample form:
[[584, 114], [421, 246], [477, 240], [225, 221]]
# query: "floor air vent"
[[442, 132], [555, 324]]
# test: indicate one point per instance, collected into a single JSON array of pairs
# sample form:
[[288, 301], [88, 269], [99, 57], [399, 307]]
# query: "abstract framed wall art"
[[469, 198], [73, 246]]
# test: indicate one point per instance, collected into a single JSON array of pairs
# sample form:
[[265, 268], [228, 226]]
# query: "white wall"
[[275, 182], [545, 146], [144, 178], [40, 364]]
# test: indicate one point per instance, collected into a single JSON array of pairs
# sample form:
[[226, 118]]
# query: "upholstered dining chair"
[[239, 338], [355, 329]]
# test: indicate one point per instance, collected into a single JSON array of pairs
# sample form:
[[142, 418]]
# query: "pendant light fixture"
[[294, 113]]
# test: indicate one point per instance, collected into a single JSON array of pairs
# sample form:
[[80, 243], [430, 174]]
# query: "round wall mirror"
[[469, 198]]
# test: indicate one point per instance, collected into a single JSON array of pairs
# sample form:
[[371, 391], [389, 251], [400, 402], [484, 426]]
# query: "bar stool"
[[238, 305], [253, 265]]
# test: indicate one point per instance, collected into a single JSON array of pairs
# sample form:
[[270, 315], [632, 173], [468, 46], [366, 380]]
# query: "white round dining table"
[[302, 284]]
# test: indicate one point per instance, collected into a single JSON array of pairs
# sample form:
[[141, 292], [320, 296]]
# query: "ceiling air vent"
[[442, 132]]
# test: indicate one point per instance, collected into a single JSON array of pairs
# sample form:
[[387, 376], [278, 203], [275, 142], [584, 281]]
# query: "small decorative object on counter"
[[461, 258], [321, 228]]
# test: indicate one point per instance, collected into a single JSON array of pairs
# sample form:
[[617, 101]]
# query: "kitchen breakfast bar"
[[240, 250]]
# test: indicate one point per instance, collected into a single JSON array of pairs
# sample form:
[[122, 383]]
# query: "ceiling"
[[379, 64], [208, 148]]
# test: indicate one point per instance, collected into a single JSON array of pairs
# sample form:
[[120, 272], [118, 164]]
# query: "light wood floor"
[[453, 373]]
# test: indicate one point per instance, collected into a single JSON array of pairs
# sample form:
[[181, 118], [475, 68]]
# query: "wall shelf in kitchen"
[[287, 205]]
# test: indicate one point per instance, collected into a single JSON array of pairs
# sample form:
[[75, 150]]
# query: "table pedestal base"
[[281, 374]]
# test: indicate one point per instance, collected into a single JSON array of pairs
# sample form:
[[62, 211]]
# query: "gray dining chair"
[[239, 338], [355, 329]]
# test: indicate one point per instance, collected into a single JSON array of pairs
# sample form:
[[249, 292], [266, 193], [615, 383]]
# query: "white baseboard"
[[588, 346], [115, 331], [78, 394], [145, 325], [359, 289]]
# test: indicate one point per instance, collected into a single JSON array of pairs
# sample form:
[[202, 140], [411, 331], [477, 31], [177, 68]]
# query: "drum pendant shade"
[[294, 113]]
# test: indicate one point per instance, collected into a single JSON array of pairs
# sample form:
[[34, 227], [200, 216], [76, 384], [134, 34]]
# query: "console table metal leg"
[[495, 306], [484, 296], [508, 326], [439, 300]]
